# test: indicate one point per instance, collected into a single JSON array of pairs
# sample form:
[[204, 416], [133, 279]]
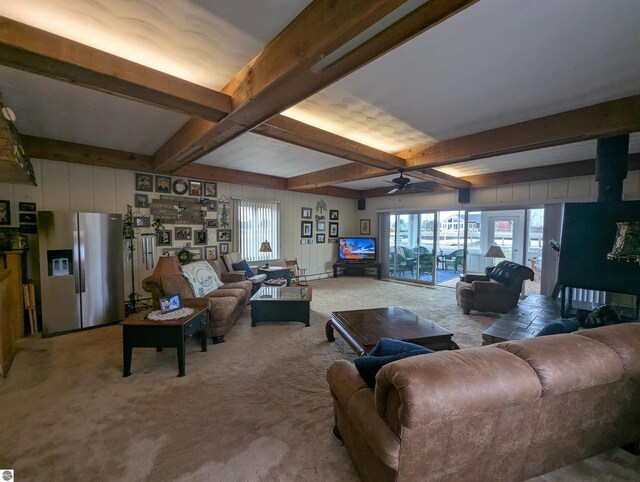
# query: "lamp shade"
[[265, 247], [495, 252], [167, 265], [627, 244]]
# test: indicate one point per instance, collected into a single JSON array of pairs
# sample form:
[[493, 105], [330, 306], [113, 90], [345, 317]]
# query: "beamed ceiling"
[[332, 97]]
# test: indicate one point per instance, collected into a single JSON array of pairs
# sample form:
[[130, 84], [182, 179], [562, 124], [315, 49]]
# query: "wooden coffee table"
[[137, 331], [272, 303], [362, 329]]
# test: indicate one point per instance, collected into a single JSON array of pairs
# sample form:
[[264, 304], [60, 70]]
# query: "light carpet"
[[256, 408]]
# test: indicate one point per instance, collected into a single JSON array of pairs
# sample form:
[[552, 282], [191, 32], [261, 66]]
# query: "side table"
[[137, 331], [274, 272]]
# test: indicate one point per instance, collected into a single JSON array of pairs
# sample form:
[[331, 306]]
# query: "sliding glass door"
[[411, 246]]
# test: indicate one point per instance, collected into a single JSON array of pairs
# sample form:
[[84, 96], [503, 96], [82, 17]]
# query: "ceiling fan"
[[401, 183]]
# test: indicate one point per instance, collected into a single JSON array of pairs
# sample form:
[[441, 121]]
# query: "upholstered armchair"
[[497, 291]]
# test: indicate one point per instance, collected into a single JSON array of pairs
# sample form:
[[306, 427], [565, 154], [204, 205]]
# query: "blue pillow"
[[561, 325], [368, 366], [390, 346], [243, 266]]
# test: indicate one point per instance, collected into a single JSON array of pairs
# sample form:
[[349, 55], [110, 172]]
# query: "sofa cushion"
[[202, 277], [391, 346], [243, 266], [561, 325], [222, 309], [368, 366]]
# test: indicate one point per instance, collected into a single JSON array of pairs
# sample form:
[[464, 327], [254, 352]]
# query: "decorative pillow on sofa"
[[386, 351], [202, 278], [561, 325], [243, 266]]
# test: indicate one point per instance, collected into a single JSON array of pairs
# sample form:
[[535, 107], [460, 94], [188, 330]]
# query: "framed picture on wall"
[[144, 182], [5, 213], [141, 200], [141, 221], [320, 238], [182, 233], [28, 218], [212, 223], [333, 230], [211, 189], [306, 229], [320, 226], [224, 235], [164, 237], [195, 188], [30, 207], [211, 252], [306, 213], [212, 205], [333, 214], [224, 248], [200, 236], [163, 184], [365, 226]]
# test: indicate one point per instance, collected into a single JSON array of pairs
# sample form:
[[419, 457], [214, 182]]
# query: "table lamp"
[[167, 265], [265, 247], [494, 251]]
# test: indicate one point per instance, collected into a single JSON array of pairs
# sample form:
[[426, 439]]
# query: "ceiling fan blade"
[[395, 189]]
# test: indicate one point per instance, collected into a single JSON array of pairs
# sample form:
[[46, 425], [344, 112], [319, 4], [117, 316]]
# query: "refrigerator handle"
[[76, 262], [83, 285]]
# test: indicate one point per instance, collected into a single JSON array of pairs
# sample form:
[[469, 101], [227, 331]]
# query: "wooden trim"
[[41, 148], [600, 120], [27, 48], [282, 74], [232, 176], [440, 177], [334, 191]]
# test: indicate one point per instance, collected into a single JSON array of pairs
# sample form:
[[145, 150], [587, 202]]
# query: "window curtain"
[[256, 221]]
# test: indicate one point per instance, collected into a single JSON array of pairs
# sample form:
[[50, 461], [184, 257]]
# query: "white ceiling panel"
[[263, 155], [204, 41], [496, 63], [53, 109]]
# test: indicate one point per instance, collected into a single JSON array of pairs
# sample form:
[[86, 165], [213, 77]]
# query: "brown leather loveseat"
[[225, 303], [508, 412]]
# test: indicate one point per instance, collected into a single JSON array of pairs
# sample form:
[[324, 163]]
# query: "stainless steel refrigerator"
[[81, 273]]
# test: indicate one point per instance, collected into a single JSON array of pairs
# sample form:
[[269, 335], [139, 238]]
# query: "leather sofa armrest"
[[233, 276], [470, 278], [344, 380]]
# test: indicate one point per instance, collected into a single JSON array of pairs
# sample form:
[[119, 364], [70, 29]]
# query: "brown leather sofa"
[[482, 293], [507, 412], [225, 303]]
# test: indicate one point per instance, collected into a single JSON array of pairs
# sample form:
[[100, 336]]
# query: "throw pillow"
[[202, 278], [369, 366], [561, 325], [391, 346], [243, 266], [504, 272]]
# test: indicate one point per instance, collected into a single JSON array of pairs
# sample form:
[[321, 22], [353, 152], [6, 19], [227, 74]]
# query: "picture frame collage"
[[195, 238], [306, 227]]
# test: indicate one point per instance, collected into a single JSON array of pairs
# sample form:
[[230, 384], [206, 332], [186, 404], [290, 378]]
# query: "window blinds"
[[257, 221]]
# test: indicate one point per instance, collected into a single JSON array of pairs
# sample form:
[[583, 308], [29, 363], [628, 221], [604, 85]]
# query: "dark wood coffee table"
[[137, 331], [272, 303], [362, 329]]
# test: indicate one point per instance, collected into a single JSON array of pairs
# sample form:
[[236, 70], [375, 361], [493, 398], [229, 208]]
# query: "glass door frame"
[[416, 217]]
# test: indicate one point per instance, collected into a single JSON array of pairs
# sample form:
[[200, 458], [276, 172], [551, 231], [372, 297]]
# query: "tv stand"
[[355, 268]]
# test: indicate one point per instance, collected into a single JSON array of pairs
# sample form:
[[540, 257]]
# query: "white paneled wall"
[[74, 187]]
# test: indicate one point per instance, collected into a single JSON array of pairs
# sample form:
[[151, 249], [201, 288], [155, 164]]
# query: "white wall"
[[74, 187]]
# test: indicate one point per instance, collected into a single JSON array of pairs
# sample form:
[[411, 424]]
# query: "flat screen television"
[[357, 249]]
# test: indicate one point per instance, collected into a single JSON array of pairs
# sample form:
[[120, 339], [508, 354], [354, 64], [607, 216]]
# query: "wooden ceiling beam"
[[54, 150], [295, 132], [283, 73], [27, 48], [441, 178], [607, 119], [334, 175]]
